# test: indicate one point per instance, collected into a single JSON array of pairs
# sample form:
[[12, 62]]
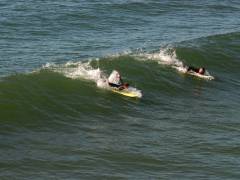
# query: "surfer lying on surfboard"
[[200, 70], [115, 81]]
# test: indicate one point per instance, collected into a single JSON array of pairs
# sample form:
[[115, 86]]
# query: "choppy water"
[[57, 123]]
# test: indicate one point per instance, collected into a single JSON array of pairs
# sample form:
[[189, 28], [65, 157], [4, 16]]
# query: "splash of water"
[[75, 70], [84, 70], [167, 56]]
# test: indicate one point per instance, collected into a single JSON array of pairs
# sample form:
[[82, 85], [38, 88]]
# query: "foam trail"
[[168, 56], [75, 70]]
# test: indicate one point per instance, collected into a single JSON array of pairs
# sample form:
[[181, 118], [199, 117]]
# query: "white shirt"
[[114, 78]]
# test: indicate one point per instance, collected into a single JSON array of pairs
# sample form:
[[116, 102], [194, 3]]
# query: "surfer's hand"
[[121, 87], [126, 85]]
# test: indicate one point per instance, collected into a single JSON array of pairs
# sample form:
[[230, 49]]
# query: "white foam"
[[48, 65], [102, 83], [75, 70], [136, 91], [168, 56], [165, 56], [181, 69]]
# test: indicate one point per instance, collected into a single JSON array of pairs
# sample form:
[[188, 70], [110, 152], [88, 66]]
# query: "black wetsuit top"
[[114, 85], [191, 68], [196, 70]]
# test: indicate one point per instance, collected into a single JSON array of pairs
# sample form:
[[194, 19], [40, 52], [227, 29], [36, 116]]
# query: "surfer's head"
[[126, 85], [201, 70]]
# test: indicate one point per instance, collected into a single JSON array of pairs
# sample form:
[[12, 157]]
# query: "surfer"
[[200, 70], [115, 80]]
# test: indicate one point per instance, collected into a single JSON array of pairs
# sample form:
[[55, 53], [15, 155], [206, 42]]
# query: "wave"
[[75, 70], [213, 51], [84, 70], [80, 87], [167, 56]]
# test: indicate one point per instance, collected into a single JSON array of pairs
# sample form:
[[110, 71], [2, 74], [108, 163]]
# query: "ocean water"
[[57, 122]]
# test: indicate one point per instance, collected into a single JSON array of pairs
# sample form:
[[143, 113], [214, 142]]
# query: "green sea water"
[[57, 123]]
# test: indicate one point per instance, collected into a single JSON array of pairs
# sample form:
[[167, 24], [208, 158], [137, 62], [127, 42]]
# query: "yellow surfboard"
[[128, 92]]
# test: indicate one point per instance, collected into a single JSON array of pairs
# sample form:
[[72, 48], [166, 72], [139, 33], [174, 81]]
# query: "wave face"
[[58, 119]]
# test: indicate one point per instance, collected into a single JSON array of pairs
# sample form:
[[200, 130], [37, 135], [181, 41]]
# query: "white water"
[[167, 56], [76, 70]]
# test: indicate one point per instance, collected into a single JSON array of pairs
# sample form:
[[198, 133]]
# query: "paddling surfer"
[[115, 80], [200, 70]]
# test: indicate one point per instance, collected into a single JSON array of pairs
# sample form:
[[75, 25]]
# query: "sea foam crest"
[[168, 56], [84, 70], [165, 56], [75, 70]]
